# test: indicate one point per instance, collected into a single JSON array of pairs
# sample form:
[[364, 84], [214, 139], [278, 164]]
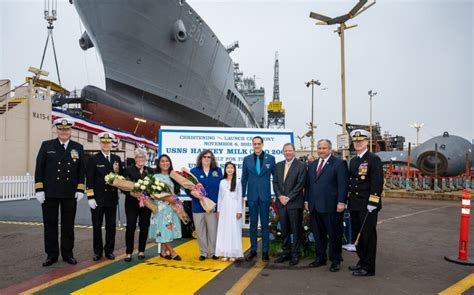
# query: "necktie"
[[108, 158], [257, 165], [320, 167], [287, 167], [64, 146]]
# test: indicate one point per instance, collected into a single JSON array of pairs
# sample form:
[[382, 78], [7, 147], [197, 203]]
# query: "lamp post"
[[341, 20], [417, 126], [311, 124], [371, 94]]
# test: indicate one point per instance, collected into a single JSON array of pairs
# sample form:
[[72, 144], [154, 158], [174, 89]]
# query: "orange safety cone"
[[462, 257]]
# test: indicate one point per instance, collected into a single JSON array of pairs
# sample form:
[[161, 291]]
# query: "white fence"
[[17, 188]]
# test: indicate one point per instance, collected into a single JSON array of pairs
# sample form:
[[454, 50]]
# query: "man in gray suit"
[[288, 183]]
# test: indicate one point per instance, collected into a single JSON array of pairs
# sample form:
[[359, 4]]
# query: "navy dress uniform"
[[59, 185], [365, 191], [103, 198]]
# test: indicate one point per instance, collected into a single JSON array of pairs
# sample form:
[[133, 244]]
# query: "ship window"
[[190, 12], [124, 145], [89, 137], [181, 2]]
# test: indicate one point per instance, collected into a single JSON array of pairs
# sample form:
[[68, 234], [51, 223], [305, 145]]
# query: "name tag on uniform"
[[100, 166], [51, 152], [201, 176], [268, 166]]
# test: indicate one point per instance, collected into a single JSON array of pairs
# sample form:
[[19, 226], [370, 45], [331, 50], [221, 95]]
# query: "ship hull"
[[193, 79]]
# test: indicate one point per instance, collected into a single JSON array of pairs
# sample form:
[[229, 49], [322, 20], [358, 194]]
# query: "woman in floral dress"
[[165, 226]]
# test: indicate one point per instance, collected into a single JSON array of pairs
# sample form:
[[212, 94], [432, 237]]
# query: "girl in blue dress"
[[165, 225]]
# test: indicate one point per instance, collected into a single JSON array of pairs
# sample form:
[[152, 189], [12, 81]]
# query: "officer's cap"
[[360, 134], [63, 123], [106, 137]]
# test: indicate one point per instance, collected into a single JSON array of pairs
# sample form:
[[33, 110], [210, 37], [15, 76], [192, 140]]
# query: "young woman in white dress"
[[229, 208]]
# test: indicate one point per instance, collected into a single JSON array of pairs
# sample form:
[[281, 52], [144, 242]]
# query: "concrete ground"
[[413, 238]]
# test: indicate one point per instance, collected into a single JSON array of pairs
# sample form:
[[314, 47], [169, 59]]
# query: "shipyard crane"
[[50, 12], [276, 112]]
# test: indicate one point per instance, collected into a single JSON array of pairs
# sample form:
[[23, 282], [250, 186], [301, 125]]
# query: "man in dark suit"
[[365, 191], [288, 184], [103, 198], [256, 171], [326, 196], [59, 185]]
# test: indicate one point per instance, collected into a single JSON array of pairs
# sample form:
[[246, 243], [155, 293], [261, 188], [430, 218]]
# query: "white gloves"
[[79, 196], [40, 197], [92, 203], [371, 208]]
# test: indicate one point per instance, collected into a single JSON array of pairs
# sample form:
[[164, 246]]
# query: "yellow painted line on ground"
[[77, 273], [461, 286], [41, 224], [159, 275], [242, 284]]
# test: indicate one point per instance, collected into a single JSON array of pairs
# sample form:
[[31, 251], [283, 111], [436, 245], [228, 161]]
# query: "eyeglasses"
[[206, 157]]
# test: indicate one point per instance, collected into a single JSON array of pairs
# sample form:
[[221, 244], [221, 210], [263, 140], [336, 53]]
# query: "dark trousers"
[[291, 221], [324, 226], [134, 212], [367, 247], [259, 208], [50, 208], [110, 213]]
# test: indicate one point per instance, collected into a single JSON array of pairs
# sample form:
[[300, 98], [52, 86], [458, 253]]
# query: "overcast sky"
[[417, 55]]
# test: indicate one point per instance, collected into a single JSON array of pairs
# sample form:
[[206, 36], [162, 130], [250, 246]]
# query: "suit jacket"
[[132, 173], [96, 170], [323, 192], [257, 186], [365, 182], [292, 186], [60, 173]]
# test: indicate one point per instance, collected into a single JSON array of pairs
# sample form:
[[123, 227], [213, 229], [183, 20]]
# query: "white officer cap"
[[106, 137], [63, 123], [360, 134]]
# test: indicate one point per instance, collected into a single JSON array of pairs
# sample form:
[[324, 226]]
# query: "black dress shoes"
[[335, 267], [283, 258], [50, 261], [251, 255], [110, 256], [354, 267], [265, 257], [70, 260], [96, 257], [127, 259], [202, 258], [214, 257], [363, 273], [141, 256], [317, 263], [294, 261]]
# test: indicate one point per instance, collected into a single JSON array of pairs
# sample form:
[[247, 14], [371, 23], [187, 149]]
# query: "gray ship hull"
[[146, 64]]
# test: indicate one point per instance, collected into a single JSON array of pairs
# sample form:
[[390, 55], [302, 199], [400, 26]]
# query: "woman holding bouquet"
[[165, 224], [132, 209], [209, 175], [229, 208]]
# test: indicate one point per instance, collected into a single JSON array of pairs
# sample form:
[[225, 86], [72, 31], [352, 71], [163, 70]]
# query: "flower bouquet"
[[187, 180], [146, 187], [161, 191], [119, 182]]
